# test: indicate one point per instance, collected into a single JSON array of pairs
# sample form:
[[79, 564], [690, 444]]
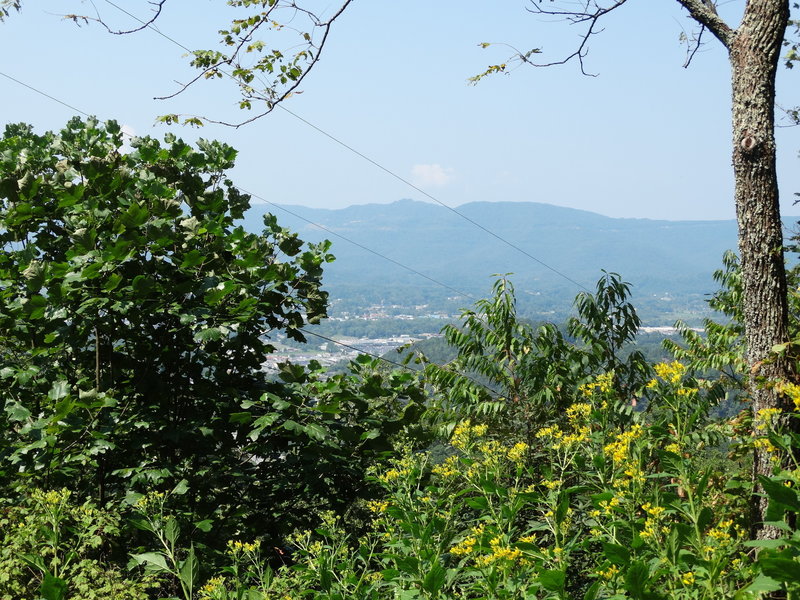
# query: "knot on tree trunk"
[[749, 143]]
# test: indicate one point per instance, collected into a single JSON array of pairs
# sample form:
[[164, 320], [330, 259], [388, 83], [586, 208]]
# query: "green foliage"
[[720, 347], [589, 509], [135, 316], [264, 74], [52, 547], [516, 377]]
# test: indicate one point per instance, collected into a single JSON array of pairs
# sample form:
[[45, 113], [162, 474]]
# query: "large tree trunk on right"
[[754, 55]]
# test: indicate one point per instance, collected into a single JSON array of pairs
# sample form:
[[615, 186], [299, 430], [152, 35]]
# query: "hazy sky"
[[646, 138]]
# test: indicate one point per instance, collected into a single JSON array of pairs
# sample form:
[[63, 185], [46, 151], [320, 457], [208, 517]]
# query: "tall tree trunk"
[[754, 54]]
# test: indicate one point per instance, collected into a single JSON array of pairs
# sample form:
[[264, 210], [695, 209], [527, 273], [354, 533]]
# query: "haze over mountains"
[[670, 262]]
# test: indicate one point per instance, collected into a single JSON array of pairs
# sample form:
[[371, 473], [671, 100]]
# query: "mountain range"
[[557, 250]]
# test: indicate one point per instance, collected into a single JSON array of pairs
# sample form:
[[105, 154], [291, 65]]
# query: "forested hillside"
[[670, 262]]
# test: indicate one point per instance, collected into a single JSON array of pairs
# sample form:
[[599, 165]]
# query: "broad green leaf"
[[154, 561], [552, 580], [53, 588]]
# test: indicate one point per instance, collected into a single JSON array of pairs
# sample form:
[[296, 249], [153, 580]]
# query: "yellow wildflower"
[[609, 573], [378, 506], [212, 586], [552, 484], [517, 452], [578, 411], [672, 372], [464, 547], [766, 418], [447, 469]]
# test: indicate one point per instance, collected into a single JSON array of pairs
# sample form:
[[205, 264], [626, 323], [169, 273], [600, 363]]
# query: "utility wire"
[[286, 210], [359, 245], [379, 166], [339, 343], [46, 95], [427, 195]]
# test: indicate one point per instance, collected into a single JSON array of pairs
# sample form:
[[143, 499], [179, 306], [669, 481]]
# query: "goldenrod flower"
[[609, 573], [672, 372], [517, 452], [378, 506]]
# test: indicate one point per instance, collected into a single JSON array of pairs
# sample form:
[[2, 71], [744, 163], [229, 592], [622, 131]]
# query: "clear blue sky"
[[646, 138]]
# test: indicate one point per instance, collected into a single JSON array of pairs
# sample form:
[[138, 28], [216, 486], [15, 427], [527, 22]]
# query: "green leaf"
[[434, 579], [760, 585], [59, 390], [552, 580], [636, 578], [205, 525], [171, 530], [780, 568], [189, 568], [618, 555], [16, 411], [592, 592], [207, 335], [316, 432], [53, 588], [153, 561], [779, 493]]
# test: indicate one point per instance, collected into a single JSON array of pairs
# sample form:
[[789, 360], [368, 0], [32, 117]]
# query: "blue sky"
[[645, 139]]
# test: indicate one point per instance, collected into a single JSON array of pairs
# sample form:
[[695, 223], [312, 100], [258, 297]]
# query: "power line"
[[278, 206], [427, 195], [337, 342], [46, 95], [378, 165], [359, 245], [53, 98], [294, 214]]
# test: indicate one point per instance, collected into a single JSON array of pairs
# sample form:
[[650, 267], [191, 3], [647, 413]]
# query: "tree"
[[754, 51], [135, 317], [517, 377]]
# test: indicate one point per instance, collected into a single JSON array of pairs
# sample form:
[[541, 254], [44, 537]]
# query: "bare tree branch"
[[693, 46], [705, 13], [158, 6], [588, 14], [288, 73]]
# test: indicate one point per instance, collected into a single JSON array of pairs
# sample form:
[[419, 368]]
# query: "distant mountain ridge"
[[659, 258]]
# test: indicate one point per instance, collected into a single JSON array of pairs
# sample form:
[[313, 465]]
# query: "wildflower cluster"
[[499, 553], [447, 469], [559, 439], [619, 449], [792, 391], [766, 419], [602, 384], [670, 372], [465, 434], [236, 546], [152, 500]]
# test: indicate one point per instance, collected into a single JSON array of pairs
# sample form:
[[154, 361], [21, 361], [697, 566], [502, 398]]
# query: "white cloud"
[[434, 175]]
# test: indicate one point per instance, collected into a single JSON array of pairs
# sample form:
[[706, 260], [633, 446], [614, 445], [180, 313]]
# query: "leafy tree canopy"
[[135, 315]]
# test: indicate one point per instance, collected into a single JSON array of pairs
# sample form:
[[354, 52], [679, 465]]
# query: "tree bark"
[[754, 53]]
